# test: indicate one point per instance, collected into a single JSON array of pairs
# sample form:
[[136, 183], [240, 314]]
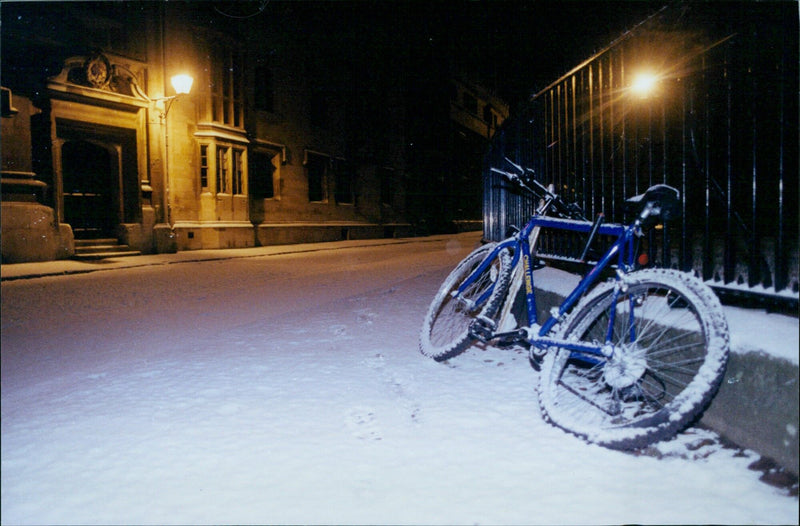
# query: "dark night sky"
[[525, 45], [513, 47]]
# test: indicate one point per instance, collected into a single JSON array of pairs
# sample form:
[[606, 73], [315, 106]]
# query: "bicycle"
[[623, 363]]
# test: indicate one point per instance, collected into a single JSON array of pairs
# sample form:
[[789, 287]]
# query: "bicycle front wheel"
[[668, 349], [445, 330]]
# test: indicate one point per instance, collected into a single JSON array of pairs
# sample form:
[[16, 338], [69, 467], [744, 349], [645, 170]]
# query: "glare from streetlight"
[[644, 84], [182, 83]]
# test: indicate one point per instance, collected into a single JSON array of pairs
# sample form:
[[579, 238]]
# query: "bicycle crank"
[[482, 329]]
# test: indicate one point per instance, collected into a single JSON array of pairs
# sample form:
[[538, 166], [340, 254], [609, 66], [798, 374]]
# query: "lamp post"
[[182, 84]]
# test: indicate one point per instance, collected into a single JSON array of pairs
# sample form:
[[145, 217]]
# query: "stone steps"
[[94, 249]]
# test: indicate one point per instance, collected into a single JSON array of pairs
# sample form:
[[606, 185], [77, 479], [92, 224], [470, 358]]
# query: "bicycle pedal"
[[537, 353], [482, 329], [512, 337]]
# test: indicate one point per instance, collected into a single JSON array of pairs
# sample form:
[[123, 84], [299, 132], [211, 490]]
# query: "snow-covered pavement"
[[289, 389]]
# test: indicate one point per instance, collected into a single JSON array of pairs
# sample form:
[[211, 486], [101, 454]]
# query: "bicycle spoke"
[[675, 381], [682, 348], [585, 398], [661, 335], [446, 328]]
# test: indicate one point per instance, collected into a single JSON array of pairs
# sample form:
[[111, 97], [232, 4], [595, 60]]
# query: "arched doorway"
[[90, 176]]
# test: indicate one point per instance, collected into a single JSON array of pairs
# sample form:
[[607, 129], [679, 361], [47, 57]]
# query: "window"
[[490, 116], [317, 170], [222, 170], [226, 88], [345, 182], [238, 171], [263, 173], [487, 114], [204, 167], [230, 170]]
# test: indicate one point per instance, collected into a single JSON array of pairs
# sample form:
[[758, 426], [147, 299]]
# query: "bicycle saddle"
[[665, 199]]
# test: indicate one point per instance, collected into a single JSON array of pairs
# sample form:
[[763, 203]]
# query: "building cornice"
[[220, 132]]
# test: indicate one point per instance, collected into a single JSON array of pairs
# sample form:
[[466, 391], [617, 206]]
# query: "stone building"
[[282, 138]]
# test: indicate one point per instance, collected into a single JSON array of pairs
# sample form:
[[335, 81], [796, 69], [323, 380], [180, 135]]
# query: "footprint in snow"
[[363, 424], [375, 362], [366, 316], [399, 386]]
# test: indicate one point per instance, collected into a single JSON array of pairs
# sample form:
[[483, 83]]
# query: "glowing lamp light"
[[182, 84], [644, 84]]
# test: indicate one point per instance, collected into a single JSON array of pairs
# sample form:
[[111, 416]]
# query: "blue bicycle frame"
[[621, 251]]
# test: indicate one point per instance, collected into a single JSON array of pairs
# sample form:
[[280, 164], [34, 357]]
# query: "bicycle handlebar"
[[553, 204]]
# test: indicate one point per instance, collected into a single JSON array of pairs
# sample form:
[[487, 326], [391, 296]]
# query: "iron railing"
[[721, 126]]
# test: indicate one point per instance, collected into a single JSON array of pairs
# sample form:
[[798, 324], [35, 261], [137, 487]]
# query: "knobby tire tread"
[[686, 408], [464, 340]]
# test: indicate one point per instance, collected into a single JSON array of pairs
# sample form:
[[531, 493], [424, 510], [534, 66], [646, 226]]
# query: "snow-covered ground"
[[289, 389]]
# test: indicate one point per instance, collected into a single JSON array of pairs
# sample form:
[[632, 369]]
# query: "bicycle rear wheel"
[[445, 330], [670, 348]]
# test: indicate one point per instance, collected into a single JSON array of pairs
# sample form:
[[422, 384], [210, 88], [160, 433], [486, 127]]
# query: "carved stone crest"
[[98, 70]]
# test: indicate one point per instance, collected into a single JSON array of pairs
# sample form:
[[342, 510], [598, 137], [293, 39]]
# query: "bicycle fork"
[[486, 329]]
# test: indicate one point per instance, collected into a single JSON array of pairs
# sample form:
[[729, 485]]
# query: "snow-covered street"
[[289, 389]]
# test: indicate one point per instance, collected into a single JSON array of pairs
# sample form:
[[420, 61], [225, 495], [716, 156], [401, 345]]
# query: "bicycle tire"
[[445, 330], [651, 389]]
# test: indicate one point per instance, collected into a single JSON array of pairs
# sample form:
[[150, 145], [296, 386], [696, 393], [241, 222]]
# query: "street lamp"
[[644, 84], [183, 85]]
